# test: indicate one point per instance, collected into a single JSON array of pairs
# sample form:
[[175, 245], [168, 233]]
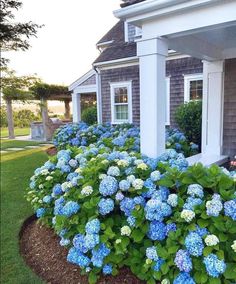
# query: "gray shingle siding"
[[229, 130], [119, 75], [90, 81], [174, 68]]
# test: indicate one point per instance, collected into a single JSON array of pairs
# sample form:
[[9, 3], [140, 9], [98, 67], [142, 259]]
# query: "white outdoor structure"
[[81, 87], [205, 29]]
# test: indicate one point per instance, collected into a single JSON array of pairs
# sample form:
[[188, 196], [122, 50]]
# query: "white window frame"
[[128, 85], [187, 80], [138, 32], [167, 101]]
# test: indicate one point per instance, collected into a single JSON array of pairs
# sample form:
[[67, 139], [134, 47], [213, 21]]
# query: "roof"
[[124, 50], [115, 45], [115, 34], [130, 2]]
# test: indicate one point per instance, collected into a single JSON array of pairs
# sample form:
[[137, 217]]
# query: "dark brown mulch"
[[51, 151], [40, 249]]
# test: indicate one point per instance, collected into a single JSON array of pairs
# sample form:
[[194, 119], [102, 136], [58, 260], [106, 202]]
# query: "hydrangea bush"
[[122, 137], [164, 220]]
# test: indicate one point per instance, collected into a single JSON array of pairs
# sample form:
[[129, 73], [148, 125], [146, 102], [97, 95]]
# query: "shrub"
[[164, 220], [89, 115], [189, 119], [3, 118], [24, 117], [123, 137]]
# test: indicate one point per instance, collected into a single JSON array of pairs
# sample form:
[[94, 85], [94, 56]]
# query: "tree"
[[13, 35], [15, 88]]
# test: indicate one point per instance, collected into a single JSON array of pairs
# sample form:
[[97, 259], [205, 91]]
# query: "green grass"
[[17, 131], [17, 143], [16, 169]]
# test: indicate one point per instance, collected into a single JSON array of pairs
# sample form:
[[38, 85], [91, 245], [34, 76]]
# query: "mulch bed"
[[51, 151], [41, 251]]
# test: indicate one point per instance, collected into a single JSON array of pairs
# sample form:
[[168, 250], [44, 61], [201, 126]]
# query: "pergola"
[[43, 93]]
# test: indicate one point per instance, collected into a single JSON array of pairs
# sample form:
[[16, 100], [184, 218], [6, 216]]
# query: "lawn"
[[17, 143], [16, 169], [17, 131]]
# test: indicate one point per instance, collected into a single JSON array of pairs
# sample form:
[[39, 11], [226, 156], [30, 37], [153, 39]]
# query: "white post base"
[[76, 107]]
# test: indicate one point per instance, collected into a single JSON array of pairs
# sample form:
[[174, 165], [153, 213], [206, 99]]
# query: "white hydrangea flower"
[[130, 178], [155, 176], [118, 241], [142, 166], [172, 200], [41, 186], [138, 161], [138, 183], [44, 172], [104, 162], [187, 215], [48, 178], [78, 170], [234, 246], [122, 163], [102, 176], [87, 190], [125, 231], [211, 240], [66, 185], [165, 281]]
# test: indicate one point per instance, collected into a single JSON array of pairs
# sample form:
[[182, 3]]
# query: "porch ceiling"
[[218, 42]]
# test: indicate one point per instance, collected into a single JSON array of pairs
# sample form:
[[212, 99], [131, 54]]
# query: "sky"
[[66, 46]]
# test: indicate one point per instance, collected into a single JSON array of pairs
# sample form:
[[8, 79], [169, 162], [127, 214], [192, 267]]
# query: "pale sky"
[[66, 46]]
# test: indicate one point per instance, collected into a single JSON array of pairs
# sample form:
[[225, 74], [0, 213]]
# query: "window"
[[121, 102], [138, 32], [193, 86]]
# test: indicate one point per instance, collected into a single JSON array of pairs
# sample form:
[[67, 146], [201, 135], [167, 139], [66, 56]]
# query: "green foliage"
[[89, 115], [130, 249], [189, 119], [14, 35], [22, 118], [43, 90]]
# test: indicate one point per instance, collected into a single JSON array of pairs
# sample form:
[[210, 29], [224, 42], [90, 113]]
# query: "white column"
[[152, 61], [76, 107], [99, 97], [212, 108]]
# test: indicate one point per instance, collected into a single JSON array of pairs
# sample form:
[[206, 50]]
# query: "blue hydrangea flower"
[[99, 254], [157, 231], [76, 257], [79, 243], [172, 200], [47, 199], [194, 244], [127, 205], [155, 176], [214, 206], [184, 278], [151, 253], [107, 269], [230, 209], [91, 240], [119, 196], [191, 202], [57, 189], [158, 264], [108, 186], [124, 185], [64, 242], [40, 212], [93, 226], [105, 206], [171, 227], [201, 231], [156, 210], [113, 171], [131, 221], [183, 261], [195, 190], [214, 266], [70, 208]]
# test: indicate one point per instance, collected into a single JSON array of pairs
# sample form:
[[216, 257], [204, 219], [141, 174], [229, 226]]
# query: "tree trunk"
[[45, 119], [10, 121], [67, 109]]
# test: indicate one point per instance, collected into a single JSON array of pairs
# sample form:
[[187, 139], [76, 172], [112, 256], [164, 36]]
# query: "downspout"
[[99, 94]]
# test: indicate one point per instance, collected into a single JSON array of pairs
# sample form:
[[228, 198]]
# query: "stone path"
[[12, 149]]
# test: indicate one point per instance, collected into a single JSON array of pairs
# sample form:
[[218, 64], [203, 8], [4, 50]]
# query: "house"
[[160, 54]]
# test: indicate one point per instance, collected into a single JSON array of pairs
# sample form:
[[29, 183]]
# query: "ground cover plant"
[[166, 221], [16, 169], [122, 137], [17, 131]]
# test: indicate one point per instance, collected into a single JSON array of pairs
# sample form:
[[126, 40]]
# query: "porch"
[[203, 29]]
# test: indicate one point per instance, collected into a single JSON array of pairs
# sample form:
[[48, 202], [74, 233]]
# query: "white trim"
[[117, 61], [167, 101], [126, 30], [82, 79], [128, 85], [207, 160], [99, 97], [105, 43], [86, 89], [187, 79]]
